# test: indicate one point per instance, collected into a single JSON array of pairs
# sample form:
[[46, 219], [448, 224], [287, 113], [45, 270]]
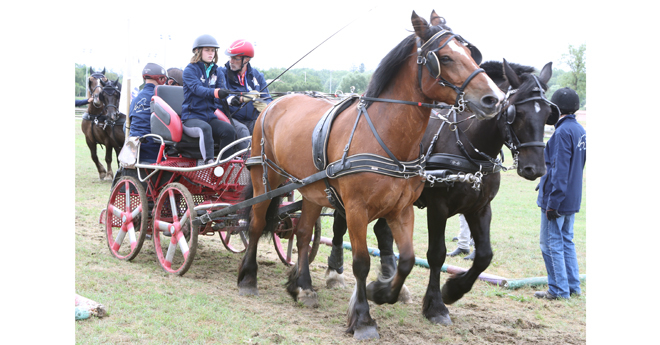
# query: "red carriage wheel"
[[175, 236], [285, 241], [126, 214], [235, 241]]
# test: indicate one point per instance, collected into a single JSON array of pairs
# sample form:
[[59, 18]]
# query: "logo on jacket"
[[582, 144], [141, 105], [254, 81]]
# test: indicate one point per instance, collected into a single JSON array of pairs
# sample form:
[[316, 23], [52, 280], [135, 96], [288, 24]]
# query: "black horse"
[[103, 124], [461, 144]]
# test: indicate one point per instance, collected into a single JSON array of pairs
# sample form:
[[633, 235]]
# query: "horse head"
[[452, 69], [110, 94], [522, 121], [94, 87]]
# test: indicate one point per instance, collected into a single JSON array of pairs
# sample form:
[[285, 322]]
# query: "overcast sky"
[[530, 33]]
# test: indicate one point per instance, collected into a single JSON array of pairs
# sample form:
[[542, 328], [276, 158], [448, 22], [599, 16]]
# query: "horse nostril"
[[489, 101]]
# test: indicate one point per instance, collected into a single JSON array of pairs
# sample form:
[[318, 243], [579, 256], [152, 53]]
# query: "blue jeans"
[[559, 255]]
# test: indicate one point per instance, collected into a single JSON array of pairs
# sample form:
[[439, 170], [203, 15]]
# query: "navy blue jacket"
[[254, 80], [81, 102], [199, 100], [565, 155], [140, 117]]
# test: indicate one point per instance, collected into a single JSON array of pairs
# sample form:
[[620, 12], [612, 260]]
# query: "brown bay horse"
[[103, 124], [388, 122], [467, 147]]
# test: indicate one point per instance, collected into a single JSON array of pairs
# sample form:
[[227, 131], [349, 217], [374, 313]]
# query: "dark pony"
[[468, 146], [103, 123], [403, 92]]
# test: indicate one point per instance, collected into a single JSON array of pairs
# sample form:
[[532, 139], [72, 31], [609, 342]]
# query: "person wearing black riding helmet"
[[203, 88], [175, 76], [140, 110], [560, 196]]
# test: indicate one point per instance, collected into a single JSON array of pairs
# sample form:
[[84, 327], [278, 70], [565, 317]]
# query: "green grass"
[[146, 305]]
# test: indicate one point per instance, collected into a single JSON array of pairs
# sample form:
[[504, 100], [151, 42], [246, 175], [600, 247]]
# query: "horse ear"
[[420, 25], [91, 71], [436, 19], [103, 71], [546, 73], [511, 75]]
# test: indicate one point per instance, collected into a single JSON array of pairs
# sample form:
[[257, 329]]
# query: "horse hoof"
[[404, 295], [367, 332], [444, 320], [334, 279], [248, 291], [308, 298]]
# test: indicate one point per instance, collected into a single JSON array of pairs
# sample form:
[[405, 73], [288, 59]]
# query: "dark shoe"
[[455, 239], [545, 295], [470, 257], [459, 251]]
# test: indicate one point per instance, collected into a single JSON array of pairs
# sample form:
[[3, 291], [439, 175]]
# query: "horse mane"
[[392, 62], [495, 70]]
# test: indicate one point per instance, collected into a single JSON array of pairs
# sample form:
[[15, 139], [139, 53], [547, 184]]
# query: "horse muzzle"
[[485, 108]]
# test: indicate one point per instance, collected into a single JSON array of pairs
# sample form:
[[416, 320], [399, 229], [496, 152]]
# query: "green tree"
[[358, 80], [576, 78]]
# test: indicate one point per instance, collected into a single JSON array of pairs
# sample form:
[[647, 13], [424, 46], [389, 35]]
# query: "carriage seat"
[[166, 107]]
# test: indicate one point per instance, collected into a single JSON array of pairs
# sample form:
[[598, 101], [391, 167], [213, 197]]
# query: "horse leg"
[[388, 258], [360, 322], [388, 290], [433, 307], [108, 160], [247, 268], [299, 285], [87, 128], [460, 284], [334, 275]]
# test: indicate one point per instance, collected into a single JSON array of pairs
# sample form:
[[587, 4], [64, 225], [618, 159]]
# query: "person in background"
[[175, 76], [140, 110], [81, 102], [464, 240], [242, 77], [560, 196], [202, 89]]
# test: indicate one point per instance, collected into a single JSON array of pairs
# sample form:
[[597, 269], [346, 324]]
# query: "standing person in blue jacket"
[[203, 88], [140, 111], [241, 77], [560, 195]]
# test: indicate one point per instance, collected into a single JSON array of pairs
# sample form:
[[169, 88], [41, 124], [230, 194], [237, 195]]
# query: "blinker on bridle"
[[433, 64]]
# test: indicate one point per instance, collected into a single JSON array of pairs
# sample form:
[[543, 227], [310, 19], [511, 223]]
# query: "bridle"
[[110, 90], [433, 65], [509, 111], [92, 92]]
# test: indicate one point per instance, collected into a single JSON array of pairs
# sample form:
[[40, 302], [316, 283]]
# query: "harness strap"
[[263, 197]]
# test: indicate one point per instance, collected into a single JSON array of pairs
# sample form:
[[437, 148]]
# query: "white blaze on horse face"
[[460, 49], [537, 107]]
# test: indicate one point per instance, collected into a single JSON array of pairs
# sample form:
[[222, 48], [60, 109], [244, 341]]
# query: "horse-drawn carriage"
[[160, 200], [366, 160]]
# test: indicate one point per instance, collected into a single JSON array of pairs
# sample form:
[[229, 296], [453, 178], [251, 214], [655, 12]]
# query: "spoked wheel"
[[175, 236], [126, 214], [286, 241], [235, 241]]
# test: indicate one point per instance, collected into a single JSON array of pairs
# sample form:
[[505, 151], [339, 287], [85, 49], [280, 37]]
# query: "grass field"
[[146, 305]]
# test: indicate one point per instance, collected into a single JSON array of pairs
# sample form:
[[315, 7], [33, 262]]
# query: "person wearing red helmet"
[[242, 77], [140, 110], [203, 88]]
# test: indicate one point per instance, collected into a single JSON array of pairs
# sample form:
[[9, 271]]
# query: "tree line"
[[356, 79]]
